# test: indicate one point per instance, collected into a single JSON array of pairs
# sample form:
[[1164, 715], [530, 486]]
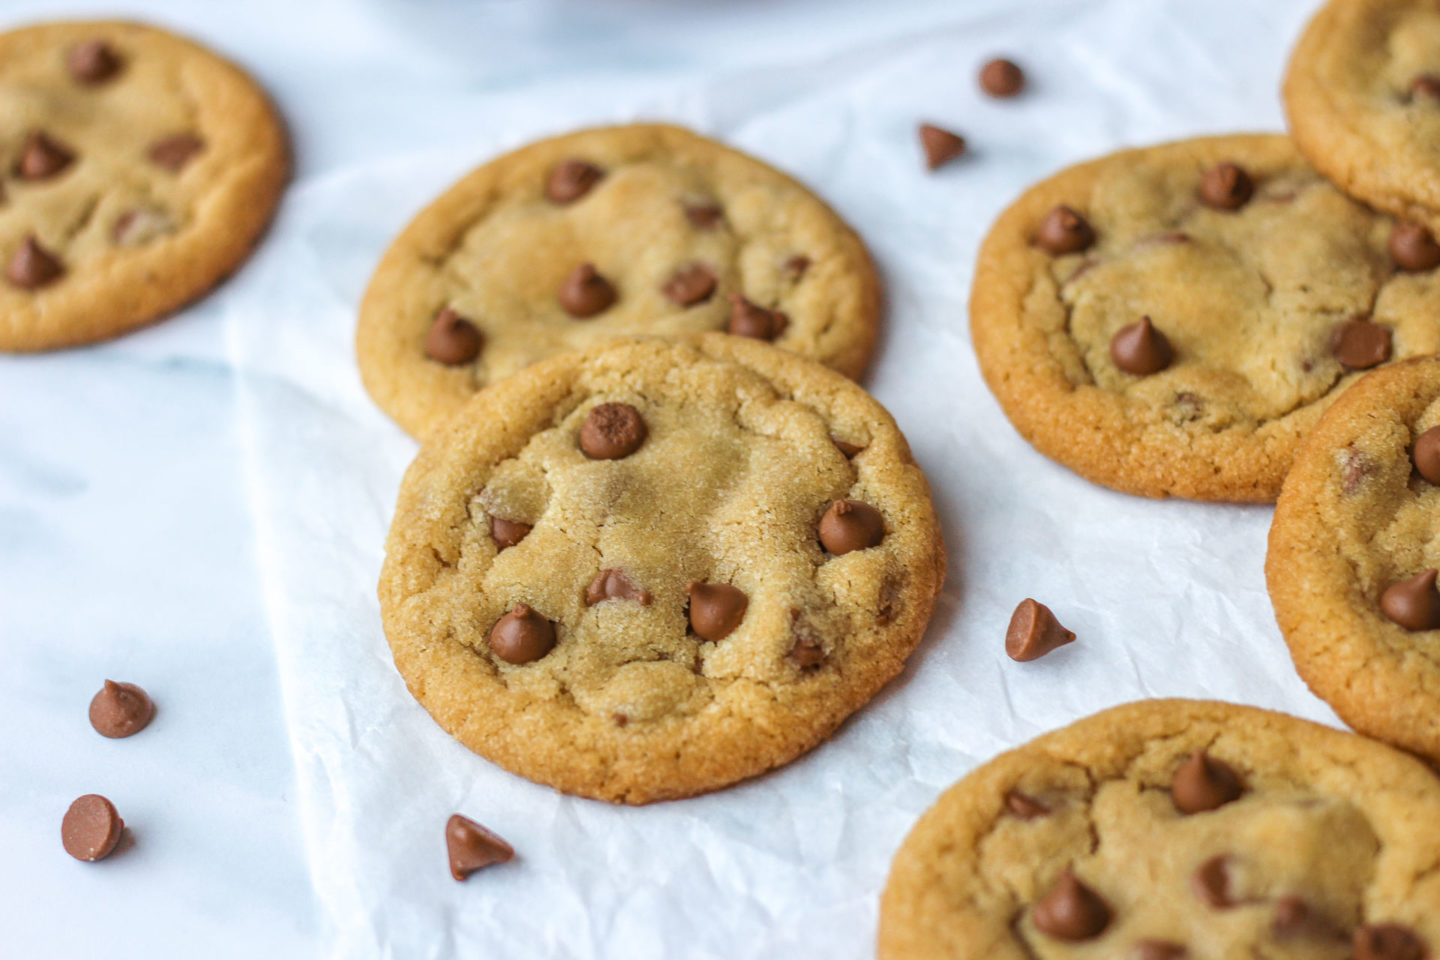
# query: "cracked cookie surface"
[[1356, 518], [142, 167], [672, 226], [1249, 301], [1075, 846], [605, 574]]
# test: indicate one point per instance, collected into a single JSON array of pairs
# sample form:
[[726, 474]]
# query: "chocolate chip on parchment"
[[1002, 78], [1034, 632], [120, 710], [92, 828], [472, 847], [940, 145]]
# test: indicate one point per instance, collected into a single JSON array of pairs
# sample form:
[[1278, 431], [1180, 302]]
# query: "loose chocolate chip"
[[614, 585], [612, 431], [1413, 603], [1425, 85], [691, 285], [472, 847], [1022, 806], [716, 609], [1002, 78], [1226, 186], [1426, 455], [570, 180], [1140, 349], [93, 61], [42, 157], [175, 151], [749, 319], [1291, 915], [584, 293], [1203, 783], [1412, 247], [849, 449], [1387, 941], [851, 525], [120, 710], [704, 216], [1211, 883], [91, 829], [1034, 632], [1359, 344], [452, 340], [141, 225], [796, 265], [507, 533], [940, 145], [522, 635], [33, 266], [1157, 950], [1071, 911], [1064, 231]]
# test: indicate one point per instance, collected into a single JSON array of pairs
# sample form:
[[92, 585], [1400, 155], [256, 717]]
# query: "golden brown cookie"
[[652, 569], [1175, 830], [568, 242], [1171, 321], [1355, 532], [137, 169]]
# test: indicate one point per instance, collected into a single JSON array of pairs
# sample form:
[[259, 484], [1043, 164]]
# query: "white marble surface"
[[198, 507]]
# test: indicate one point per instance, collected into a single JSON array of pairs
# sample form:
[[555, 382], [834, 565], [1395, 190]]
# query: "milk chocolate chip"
[[570, 180], [808, 650], [140, 225], [614, 585], [1140, 349], [507, 533], [120, 710], [1071, 911], [845, 447], [1211, 883], [1387, 941], [690, 285], [1412, 247], [1426, 455], [93, 61], [749, 319], [612, 431], [796, 265], [1034, 632], [1290, 916], [33, 266], [1064, 231], [452, 340], [1022, 806], [704, 216], [43, 157], [851, 525], [1425, 85], [91, 829], [716, 609], [1226, 186], [1002, 78], [940, 145], [1157, 950], [1359, 344], [472, 847], [1413, 603], [522, 635], [175, 151], [584, 293], [1203, 783]]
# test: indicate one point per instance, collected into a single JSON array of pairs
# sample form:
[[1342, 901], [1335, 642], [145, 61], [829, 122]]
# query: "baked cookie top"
[[640, 229], [652, 569], [1170, 321], [136, 170], [1172, 829], [1362, 94], [1355, 532]]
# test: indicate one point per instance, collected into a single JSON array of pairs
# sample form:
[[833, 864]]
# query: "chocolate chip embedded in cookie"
[[851, 525], [611, 431], [42, 157], [1226, 186], [452, 339], [93, 61], [522, 635], [570, 180], [1202, 784], [691, 285], [752, 320], [32, 266], [1412, 247], [1064, 231]]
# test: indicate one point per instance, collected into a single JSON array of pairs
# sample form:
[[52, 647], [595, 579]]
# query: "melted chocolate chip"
[[1157, 950], [940, 145], [1359, 344], [704, 216], [1290, 916], [93, 61], [570, 180], [716, 609], [808, 650], [1203, 783], [1034, 632], [1141, 349], [1064, 231], [1412, 247], [690, 285], [452, 340], [1425, 454], [749, 319], [1022, 806], [585, 293], [175, 151], [507, 533], [91, 829], [1413, 603], [120, 710], [851, 525], [1388, 941], [1002, 78], [1211, 883], [140, 225], [1425, 85], [1358, 467], [849, 449], [612, 431], [472, 847], [32, 266], [614, 585], [42, 157], [522, 635], [796, 265], [1071, 911], [1226, 186]]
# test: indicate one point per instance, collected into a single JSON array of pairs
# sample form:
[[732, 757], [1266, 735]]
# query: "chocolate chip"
[[1203, 783], [1290, 916], [91, 829], [472, 847], [1359, 344], [42, 157], [93, 61], [808, 650], [704, 216], [33, 266], [1071, 911], [1002, 78], [175, 151], [1157, 950], [507, 533], [1412, 247], [849, 449], [1226, 186], [690, 285], [1211, 883], [1022, 806], [1034, 632], [584, 293], [612, 431], [1425, 454], [141, 225], [452, 340], [614, 585], [1413, 603], [522, 635], [1387, 941], [120, 710], [1064, 231], [1358, 468], [749, 319], [940, 145], [796, 265], [570, 180], [1425, 85], [1140, 349], [851, 525], [716, 609]]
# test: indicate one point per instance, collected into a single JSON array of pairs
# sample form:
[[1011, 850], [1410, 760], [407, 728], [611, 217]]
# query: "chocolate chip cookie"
[[1362, 94], [1172, 829], [1353, 554], [1170, 321], [565, 243], [137, 169], [654, 568]]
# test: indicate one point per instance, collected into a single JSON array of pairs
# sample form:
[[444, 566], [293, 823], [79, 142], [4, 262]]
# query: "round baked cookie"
[[1362, 95], [137, 169], [1356, 525], [639, 229], [654, 568], [1170, 321], [1175, 830]]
